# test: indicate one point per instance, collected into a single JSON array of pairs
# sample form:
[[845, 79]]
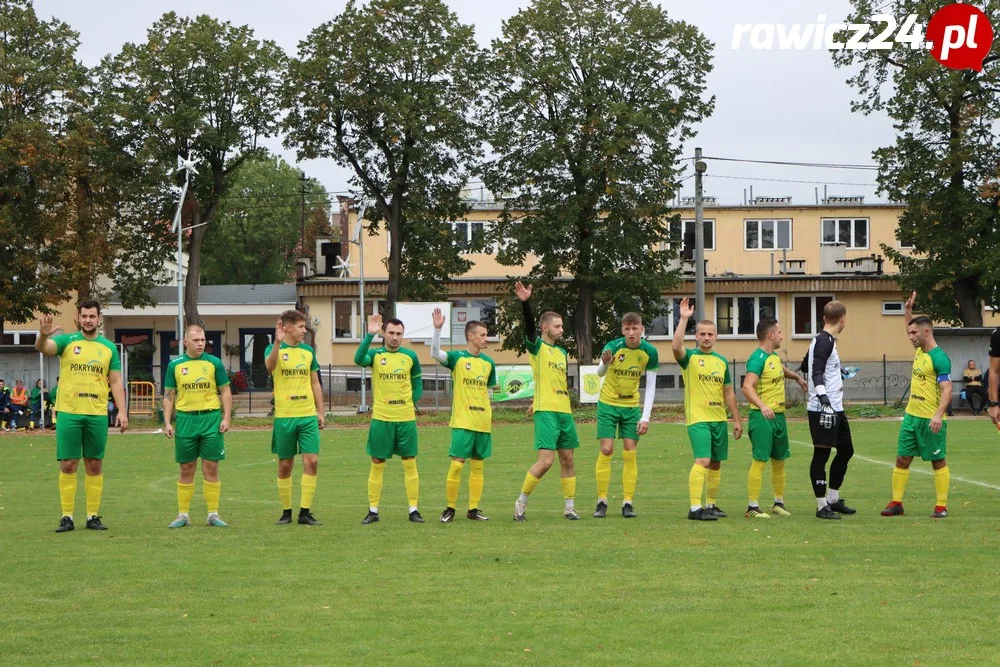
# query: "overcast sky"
[[770, 105]]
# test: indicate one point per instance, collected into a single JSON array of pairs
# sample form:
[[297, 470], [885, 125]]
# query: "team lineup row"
[[196, 391]]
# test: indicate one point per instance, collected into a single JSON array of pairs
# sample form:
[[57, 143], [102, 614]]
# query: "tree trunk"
[[193, 276], [969, 307], [584, 325], [394, 220]]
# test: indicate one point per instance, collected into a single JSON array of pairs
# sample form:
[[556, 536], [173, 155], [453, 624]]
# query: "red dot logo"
[[961, 36]]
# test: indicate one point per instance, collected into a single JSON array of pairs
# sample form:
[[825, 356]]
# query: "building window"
[[487, 313], [468, 236], [345, 318], [19, 338], [767, 234], [679, 230], [807, 314], [851, 232], [665, 325], [739, 315], [893, 307]]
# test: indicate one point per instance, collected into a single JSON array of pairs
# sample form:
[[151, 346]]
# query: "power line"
[[821, 165], [790, 180]]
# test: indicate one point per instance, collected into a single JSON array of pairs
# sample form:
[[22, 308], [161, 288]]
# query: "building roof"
[[227, 295]]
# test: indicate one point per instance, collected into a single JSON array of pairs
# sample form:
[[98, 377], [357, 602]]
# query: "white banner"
[[590, 384]]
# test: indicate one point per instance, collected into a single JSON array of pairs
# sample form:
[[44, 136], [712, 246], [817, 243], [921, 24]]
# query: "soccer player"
[[764, 388], [4, 405], [473, 374], [397, 385], [623, 362], [555, 431], [298, 412], [708, 391], [91, 365], [924, 428], [197, 384], [827, 421]]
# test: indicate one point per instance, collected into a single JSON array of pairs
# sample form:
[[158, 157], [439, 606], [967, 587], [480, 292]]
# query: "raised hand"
[[438, 317], [607, 358], [45, 326], [910, 303], [521, 292], [374, 324], [279, 333], [687, 308]]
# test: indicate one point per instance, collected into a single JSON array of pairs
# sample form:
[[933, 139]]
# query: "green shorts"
[[388, 438], [467, 444], [710, 440], [615, 422], [81, 436], [768, 437], [555, 430], [197, 436], [915, 438], [294, 435]]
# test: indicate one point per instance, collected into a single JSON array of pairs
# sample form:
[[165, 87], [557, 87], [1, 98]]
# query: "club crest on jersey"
[[384, 361], [701, 362], [468, 365], [770, 365], [184, 371], [76, 349], [621, 357], [284, 357]]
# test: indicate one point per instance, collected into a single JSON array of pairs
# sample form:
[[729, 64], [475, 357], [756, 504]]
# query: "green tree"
[[256, 236], [196, 86], [588, 105], [386, 90], [943, 165]]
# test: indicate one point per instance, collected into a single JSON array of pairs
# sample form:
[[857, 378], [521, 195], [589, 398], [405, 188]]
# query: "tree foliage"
[[944, 165], [196, 86], [588, 105], [386, 90], [256, 235]]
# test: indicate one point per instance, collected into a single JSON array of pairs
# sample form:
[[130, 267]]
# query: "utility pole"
[[302, 233], [699, 238]]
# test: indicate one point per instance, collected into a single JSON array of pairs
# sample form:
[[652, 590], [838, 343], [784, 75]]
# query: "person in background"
[[973, 378]]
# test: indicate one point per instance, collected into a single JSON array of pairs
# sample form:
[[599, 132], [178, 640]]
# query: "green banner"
[[514, 382]]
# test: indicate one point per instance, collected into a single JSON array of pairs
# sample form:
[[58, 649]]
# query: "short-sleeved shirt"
[[473, 375], [549, 364], [770, 374], [705, 379], [393, 374], [84, 366], [293, 393], [197, 382], [930, 369], [621, 383]]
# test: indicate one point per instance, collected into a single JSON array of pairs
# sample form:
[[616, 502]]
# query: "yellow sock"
[[530, 482], [942, 480], [476, 482], [900, 476], [452, 483], [778, 478], [67, 492], [696, 484], [375, 476], [212, 492], [411, 479], [754, 481], [93, 486], [308, 483], [185, 492], [603, 472], [630, 474], [714, 480], [285, 492], [568, 487]]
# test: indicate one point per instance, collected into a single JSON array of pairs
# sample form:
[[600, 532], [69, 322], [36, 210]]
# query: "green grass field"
[[656, 589]]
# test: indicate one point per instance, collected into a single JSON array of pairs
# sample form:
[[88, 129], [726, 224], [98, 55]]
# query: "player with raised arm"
[[197, 384], [298, 413], [396, 386], [764, 388], [624, 361], [555, 432], [473, 373], [708, 392], [89, 366], [925, 428], [827, 420]]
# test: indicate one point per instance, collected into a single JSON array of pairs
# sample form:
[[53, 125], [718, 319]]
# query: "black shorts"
[[838, 436]]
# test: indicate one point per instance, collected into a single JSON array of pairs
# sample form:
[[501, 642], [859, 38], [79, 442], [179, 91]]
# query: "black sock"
[[303, 511], [838, 469], [817, 470]]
